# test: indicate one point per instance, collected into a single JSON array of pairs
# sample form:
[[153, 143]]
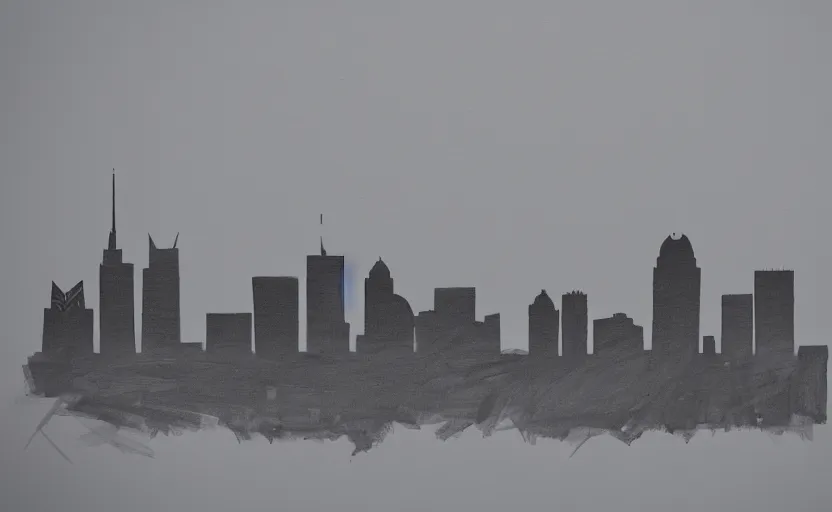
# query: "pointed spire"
[[323, 251], [111, 243], [175, 240], [114, 200], [150, 240]]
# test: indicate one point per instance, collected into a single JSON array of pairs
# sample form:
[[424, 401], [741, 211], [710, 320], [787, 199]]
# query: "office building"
[[326, 330], [575, 324], [160, 298], [774, 312], [67, 324], [276, 315]]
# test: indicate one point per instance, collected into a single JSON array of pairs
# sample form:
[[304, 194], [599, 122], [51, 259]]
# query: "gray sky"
[[510, 146]]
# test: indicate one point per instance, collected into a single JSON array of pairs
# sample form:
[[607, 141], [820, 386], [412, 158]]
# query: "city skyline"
[[676, 309]]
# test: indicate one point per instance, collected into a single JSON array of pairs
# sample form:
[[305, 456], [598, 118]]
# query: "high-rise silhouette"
[[617, 334], [388, 318], [676, 291], [67, 324], [575, 324], [276, 315], [544, 323], [774, 312], [160, 298], [738, 326], [229, 332], [326, 330], [116, 306]]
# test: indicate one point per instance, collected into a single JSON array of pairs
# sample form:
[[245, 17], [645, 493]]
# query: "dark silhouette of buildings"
[[575, 324], [544, 323], [388, 318], [326, 330], [774, 312], [809, 389], [67, 324], [453, 320], [276, 315], [228, 332], [738, 326], [116, 307], [681, 392], [617, 334], [160, 298], [676, 292], [490, 333], [709, 345], [428, 330], [457, 304]]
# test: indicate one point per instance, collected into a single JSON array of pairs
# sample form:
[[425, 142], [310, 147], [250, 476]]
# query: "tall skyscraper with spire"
[[326, 329], [116, 315], [160, 298]]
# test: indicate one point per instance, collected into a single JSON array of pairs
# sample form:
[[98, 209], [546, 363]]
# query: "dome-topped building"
[[676, 250], [676, 297], [544, 321], [380, 270], [543, 301], [388, 318]]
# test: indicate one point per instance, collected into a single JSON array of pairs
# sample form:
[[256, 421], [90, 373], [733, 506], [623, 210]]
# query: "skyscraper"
[[676, 291], [617, 334], [575, 320], [738, 326], [276, 315], [116, 306], [774, 312], [67, 324], [160, 299], [388, 318], [544, 324], [326, 330]]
